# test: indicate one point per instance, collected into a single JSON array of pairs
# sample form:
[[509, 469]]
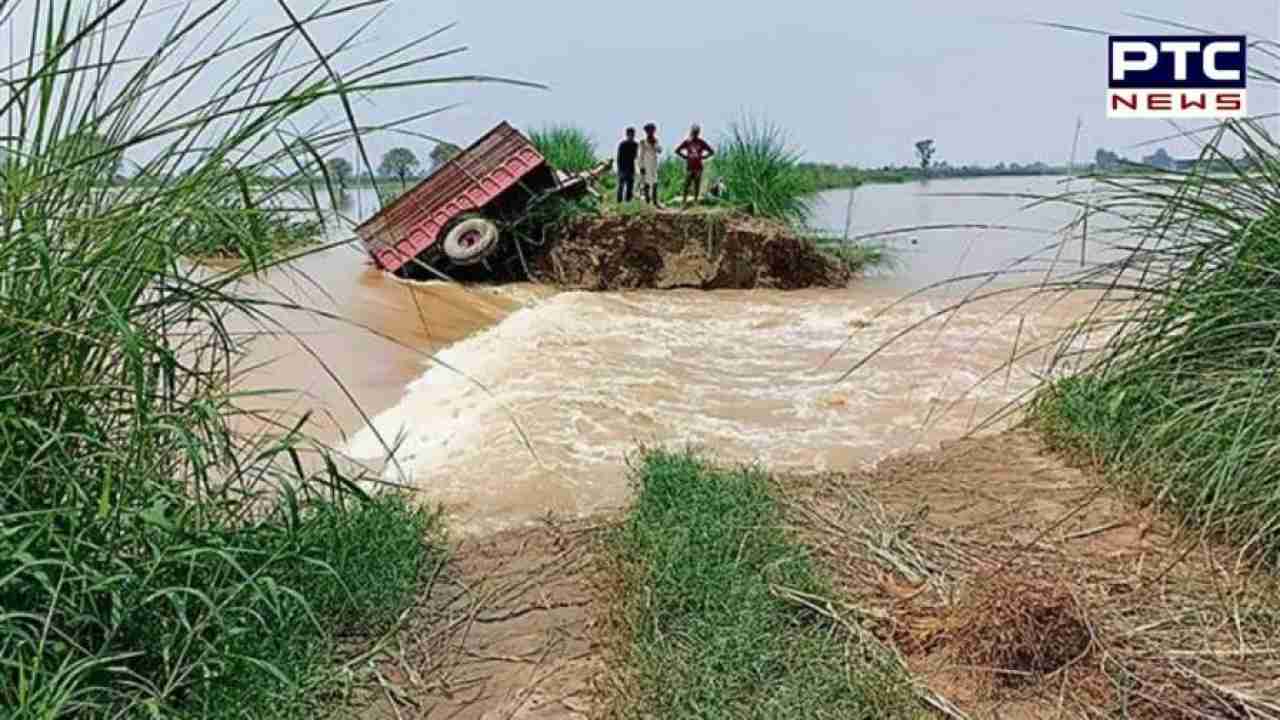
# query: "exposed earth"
[[506, 630], [694, 249]]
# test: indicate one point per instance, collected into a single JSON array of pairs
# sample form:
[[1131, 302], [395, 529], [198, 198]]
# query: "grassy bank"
[[709, 615], [162, 552], [1180, 396], [761, 172], [830, 176]]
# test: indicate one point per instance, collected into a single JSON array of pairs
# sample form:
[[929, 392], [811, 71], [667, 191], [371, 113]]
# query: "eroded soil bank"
[[709, 250]]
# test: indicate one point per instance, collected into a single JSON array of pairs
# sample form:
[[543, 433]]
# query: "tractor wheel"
[[470, 239]]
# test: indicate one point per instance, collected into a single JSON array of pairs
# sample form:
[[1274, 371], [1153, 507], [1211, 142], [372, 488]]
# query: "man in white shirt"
[[650, 149]]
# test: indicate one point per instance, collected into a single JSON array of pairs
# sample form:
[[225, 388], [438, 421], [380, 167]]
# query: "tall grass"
[[1171, 382], [566, 147], [156, 560], [227, 224], [1179, 390], [761, 172]]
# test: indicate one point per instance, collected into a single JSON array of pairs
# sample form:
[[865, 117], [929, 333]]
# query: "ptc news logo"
[[1178, 76]]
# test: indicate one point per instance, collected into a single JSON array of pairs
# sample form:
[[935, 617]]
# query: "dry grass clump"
[[1014, 630]]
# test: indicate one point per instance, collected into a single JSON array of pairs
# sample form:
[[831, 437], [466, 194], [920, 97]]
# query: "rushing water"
[[506, 404]]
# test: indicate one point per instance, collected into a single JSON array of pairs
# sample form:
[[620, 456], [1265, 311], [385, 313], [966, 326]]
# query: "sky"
[[851, 82]]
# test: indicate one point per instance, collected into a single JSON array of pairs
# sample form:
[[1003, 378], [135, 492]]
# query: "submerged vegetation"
[[857, 258], [162, 552], [709, 619], [1181, 395]]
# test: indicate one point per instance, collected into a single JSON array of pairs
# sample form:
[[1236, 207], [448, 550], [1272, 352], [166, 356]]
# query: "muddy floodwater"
[[509, 403]]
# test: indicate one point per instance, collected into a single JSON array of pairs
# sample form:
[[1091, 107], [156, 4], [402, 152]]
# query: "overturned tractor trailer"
[[452, 222]]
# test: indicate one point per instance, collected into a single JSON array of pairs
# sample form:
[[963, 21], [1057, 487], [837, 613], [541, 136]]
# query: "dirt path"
[[505, 631]]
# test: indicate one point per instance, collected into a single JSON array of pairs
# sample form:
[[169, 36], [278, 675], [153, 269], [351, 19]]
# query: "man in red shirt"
[[694, 150]]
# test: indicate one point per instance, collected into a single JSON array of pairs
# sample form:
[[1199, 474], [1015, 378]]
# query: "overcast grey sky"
[[853, 82]]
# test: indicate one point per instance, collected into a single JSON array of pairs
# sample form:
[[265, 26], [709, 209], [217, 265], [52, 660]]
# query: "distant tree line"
[[96, 154], [1106, 160], [400, 164], [826, 176]]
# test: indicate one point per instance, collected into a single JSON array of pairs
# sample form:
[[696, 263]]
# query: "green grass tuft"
[[635, 208], [671, 174], [762, 172], [350, 567], [700, 556], [566, 147]]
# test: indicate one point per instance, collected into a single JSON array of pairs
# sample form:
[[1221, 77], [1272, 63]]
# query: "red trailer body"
[[412, 225]]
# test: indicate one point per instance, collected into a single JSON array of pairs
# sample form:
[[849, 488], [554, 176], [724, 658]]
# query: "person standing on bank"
[[694, 150], [650, 149], [628, 149]]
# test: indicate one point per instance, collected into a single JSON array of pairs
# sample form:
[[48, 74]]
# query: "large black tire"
[[470, 239]]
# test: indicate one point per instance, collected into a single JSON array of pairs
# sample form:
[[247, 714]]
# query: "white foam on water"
[[590, 377]]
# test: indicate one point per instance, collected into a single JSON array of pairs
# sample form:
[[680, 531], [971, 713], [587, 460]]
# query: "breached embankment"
[[709, 250]]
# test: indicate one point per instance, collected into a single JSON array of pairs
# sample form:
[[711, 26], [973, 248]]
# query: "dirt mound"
[[666, 249], [1012, 631]]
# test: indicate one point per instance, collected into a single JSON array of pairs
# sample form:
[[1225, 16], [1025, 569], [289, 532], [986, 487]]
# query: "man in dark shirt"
[[694, 150], [627, 150]]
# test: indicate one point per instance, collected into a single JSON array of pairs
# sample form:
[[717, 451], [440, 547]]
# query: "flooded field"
[[509, 403], [946, 229]]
